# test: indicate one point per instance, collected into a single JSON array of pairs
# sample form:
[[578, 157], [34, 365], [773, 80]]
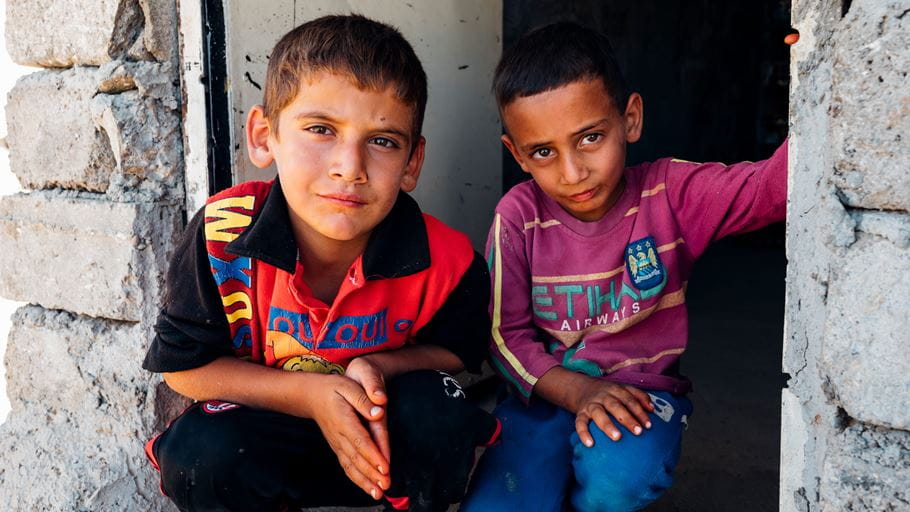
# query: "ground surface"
[[731, 452]]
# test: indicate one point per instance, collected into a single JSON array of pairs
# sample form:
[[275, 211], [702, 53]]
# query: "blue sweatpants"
[[539, 460]]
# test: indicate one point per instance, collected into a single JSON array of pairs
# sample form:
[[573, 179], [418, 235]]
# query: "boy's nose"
[[573, 171], [348, 163]]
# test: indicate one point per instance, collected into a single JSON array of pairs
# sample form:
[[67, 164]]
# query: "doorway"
[[714, 77]]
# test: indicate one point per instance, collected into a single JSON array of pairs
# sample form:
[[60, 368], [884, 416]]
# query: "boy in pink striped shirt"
[[589, 263]]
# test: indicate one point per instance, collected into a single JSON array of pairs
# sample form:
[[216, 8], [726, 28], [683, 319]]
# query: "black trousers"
[[219, 456]]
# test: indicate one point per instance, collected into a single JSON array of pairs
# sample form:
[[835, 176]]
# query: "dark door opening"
[[714, 77]]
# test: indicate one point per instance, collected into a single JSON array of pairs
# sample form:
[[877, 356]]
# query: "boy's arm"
[[516, 350], [713, 200], [191, 329]]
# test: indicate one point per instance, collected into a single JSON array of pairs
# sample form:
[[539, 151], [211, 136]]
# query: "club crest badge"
[[643, 264]]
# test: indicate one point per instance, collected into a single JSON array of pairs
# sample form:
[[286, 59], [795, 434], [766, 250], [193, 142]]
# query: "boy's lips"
[[344, 199], [583, 196]]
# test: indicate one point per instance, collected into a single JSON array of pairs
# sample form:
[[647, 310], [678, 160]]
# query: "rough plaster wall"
[[97, 144], [82, 390], [845, 440], [115, 135]]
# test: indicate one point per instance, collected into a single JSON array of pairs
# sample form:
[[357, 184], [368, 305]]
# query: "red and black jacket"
[[235, 287]]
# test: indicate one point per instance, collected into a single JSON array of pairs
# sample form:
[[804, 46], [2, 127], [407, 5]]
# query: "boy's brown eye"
[[319, 130], [385, 142], [543, 152]]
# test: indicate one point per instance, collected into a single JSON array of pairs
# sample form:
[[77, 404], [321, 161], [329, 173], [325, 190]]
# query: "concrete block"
[[867, 468], [51, 33], [114, 129], [60, 34], [138, 109], [868, 330], [159, 35], [81, 409], [870, 110], [52, 139], [84, 254]]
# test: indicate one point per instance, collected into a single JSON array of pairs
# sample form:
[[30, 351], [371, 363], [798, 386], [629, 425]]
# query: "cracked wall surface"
[[95, 140], [845, 411]]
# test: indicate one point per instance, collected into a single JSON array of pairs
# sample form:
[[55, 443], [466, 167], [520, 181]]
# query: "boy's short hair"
[[556, 55], [374, 54]]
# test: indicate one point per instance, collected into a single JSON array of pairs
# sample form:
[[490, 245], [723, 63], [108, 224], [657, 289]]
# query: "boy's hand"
[[342, 401], [600, 399], [364, 372]]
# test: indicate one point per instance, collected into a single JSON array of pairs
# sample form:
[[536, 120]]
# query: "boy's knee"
[[203, 460], [617, 491], [623, 475], [433, 431], [616, 488]]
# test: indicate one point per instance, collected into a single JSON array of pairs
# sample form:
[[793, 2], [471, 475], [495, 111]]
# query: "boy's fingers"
[[357, 397], [366, 458], [643, 398], [370, 471], [356, 476], [380, 434], [602, 420], [634, 406], [581, 427]]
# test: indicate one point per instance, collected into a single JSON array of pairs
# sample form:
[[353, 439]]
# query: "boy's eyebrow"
[[318, 114], [591, 126], [534, 145]]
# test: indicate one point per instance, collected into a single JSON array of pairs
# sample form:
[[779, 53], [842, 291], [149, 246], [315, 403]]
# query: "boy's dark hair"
[[556, 55], [374, 54]]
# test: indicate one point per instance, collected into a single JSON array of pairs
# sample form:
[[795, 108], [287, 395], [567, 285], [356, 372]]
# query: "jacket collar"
[[397, 247]]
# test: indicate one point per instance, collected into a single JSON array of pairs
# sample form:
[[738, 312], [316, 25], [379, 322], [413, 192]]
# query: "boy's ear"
[[258, 131], [512, 149], [415, 163], [635, 117]]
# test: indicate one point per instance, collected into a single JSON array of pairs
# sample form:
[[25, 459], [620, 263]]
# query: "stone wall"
[[846, 427], [95, 139]]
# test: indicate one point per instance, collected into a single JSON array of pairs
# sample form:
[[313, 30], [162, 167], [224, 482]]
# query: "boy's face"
[[572, 140], [342, 154]]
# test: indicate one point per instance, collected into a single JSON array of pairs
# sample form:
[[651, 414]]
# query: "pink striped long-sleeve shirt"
[[607, 298]]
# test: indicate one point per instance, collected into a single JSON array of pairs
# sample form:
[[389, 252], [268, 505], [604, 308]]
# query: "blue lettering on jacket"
[[292, 323], [356, 331], [225, 270]]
